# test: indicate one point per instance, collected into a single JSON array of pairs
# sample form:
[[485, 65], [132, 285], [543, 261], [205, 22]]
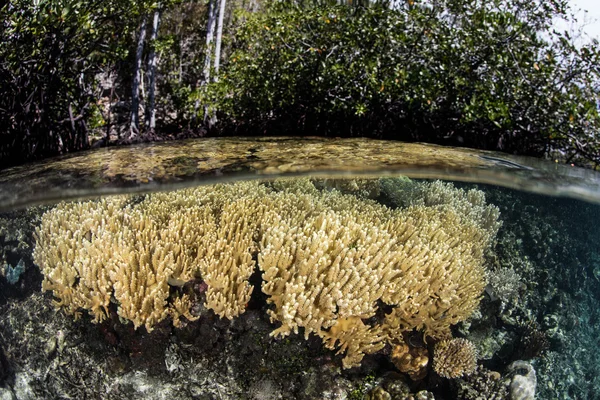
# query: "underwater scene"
[[302, 287]]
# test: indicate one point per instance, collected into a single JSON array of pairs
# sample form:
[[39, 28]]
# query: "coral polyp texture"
[[412, 360], [454, 358], [328, 259]]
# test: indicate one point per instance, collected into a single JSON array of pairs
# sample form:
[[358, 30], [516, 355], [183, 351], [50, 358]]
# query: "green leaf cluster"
[[51, 54], [483, 74]]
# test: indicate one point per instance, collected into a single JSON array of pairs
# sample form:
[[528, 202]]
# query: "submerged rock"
[[523, 382]]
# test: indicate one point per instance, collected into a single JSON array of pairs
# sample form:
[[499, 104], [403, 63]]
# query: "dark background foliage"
[[492, 75]]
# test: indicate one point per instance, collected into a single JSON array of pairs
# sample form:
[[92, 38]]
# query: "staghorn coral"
[[228, 264], [327, 260], [75, 250], [438, 272], [454, 358], [355, 339], [330, 267], [470, 205], [93, 251]]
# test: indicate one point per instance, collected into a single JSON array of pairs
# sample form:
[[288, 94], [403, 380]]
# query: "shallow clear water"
[[346, 279]]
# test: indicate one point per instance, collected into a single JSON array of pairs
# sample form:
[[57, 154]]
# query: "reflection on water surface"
[[177, 164]]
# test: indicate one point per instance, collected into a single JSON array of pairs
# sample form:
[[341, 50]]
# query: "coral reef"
[[91, 252], [354, 338], [54, 356], [327, 258], [550, 242], [15, 232], [482, 384], [540, 300], [504, 285], [378, 393], [454, 358], [470, 204], [18, 276], [533, 342], [365, 188]]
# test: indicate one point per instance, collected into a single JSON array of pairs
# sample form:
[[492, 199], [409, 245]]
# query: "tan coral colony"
[[327, 259]]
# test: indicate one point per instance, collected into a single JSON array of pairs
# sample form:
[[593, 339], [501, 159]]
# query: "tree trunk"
[[150, 110], [219, 37], [137, 76], [208, 113], [210, 35]]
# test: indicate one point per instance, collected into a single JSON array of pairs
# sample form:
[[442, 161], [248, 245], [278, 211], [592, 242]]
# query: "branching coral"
[[504, 284], [470, 205], [228, 263], [454, 358], [77, 255], [355, 339], [327, 268], [327, 259], [95, 251]]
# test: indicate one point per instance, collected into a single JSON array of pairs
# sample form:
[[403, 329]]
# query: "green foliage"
[[181, 47], [449, 71], [50, 54], [482, 74]]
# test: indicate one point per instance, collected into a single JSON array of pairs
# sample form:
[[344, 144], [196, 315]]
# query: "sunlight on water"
[[177, 164]]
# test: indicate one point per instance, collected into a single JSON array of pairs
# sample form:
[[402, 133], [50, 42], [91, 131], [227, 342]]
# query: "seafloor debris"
[[482, 384]]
